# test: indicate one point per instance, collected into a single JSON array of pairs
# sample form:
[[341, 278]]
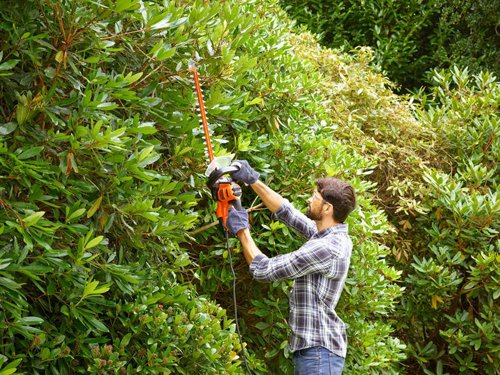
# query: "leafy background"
[[408, 38], [108, 263]]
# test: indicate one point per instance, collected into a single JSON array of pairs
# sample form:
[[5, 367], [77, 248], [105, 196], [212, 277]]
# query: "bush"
[[453, 279], [102, 161], [436, 159], [92, 220], [409, 38]]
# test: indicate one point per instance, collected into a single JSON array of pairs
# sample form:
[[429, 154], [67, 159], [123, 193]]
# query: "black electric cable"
[[226, 232]]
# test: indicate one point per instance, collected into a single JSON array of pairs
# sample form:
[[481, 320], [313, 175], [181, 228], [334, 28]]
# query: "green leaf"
[[8, 371], [160, 21], [7, 128], [496, 293], [101, 290], [144, 153], [92, 59], [11, 368], [95, 207], [126, 339], [4, 263], [59, 56], [257, 100], [9, 64], [144, 128], [76, 214], [131, 78], [33, 218], [261, 325], [94, 242], [122, 5], [107, 106], [34, 151], [164, 54], [30, 320], [89, 288], [45, 354]]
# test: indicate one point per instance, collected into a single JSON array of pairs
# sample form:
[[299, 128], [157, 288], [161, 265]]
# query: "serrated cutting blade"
[[202, 113]]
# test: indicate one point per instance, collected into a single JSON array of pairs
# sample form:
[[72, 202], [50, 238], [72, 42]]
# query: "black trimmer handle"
[[219, 172], [237, 193]]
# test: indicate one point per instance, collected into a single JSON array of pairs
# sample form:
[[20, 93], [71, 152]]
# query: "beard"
[[316, 216]]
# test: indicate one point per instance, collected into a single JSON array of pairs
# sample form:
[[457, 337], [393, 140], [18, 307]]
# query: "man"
[[319, 268]]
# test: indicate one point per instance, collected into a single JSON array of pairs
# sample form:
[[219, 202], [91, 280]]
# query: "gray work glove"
[[246, 173], [237, 219]]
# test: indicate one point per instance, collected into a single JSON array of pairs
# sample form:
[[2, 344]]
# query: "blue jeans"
[[317, 361]]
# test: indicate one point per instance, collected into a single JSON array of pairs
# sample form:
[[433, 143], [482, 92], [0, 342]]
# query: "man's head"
[[332, 197]]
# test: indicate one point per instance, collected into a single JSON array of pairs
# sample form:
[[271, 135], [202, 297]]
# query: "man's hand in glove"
[[237, 219], [246, 173]]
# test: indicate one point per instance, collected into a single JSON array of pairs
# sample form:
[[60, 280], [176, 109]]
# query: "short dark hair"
[[340, 194]]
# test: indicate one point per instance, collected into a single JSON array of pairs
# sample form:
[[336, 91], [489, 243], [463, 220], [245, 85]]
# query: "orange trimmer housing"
[[225, 198], [221, 187]]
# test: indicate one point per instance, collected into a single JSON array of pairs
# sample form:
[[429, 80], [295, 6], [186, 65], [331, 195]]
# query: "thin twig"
[[126, 33]]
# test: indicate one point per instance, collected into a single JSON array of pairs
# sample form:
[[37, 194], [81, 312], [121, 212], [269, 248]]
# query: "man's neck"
[[325, 224]]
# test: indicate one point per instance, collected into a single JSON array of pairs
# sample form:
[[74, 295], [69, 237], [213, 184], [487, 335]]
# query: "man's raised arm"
[[249, 176]]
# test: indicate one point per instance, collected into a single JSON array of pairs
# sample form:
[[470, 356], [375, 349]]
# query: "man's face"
[[315, 207]]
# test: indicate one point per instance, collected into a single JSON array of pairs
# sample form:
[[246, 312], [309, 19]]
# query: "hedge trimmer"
[[224, 191]]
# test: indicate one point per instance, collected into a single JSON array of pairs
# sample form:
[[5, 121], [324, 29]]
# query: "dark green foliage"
[[467, 35], [408, 37], [90, 221], [101, 166], [453, 282], [104, 263]]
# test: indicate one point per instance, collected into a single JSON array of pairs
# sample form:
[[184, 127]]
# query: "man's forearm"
[[250, 249], [271, 199]]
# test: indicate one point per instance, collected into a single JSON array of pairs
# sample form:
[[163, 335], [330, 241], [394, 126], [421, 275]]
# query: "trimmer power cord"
[[226, 232]]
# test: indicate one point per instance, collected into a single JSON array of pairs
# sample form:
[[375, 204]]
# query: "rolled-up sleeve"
[[292, 217], [310, 258]]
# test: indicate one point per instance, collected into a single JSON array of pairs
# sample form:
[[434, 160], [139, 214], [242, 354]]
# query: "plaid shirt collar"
[[337, 228]]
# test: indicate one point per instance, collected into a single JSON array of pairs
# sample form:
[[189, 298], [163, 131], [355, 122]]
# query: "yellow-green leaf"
[[257, 100], [76, 214], [59, 56], [33, 218], [93, 243], [101, 290], [144, 153], [90, 287], [95, 207], [435, 300]]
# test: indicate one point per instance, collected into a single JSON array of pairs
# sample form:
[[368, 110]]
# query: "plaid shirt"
[[319, 269]]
